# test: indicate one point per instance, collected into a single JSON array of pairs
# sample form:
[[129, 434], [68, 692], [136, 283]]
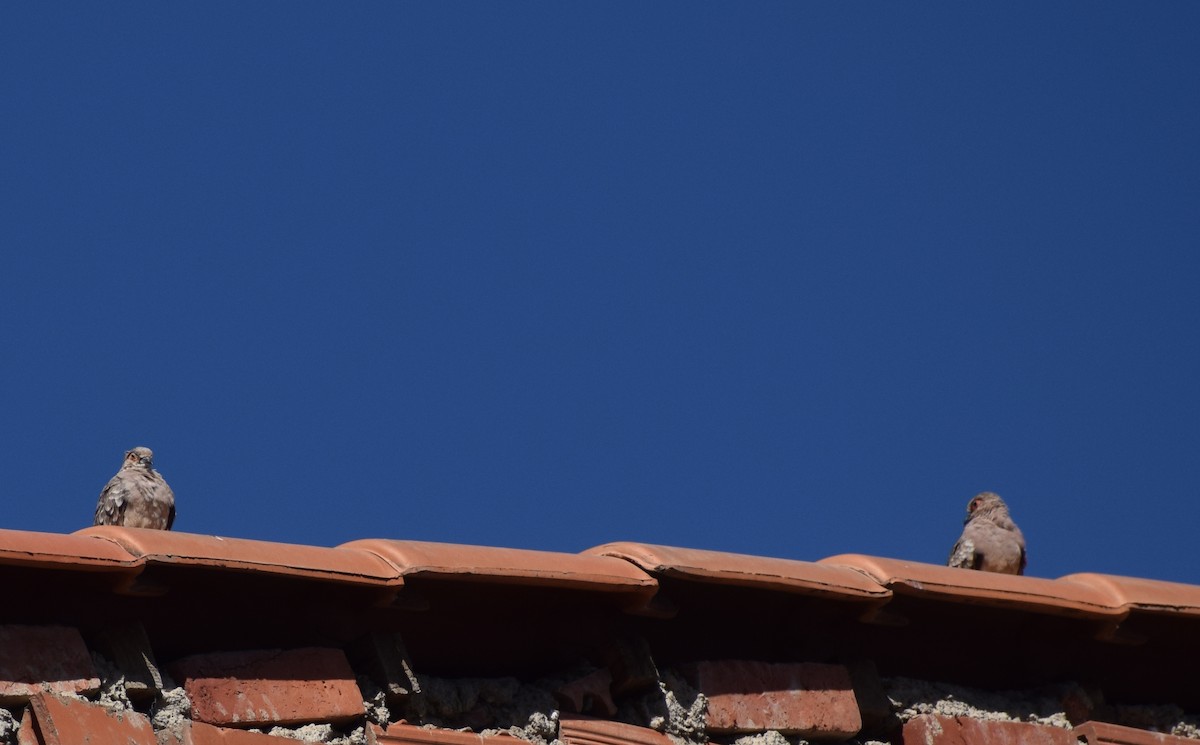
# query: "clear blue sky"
[[773, 278]]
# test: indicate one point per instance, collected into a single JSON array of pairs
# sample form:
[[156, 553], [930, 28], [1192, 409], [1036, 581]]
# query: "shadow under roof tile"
[[1146, 595], [509, 566], [288, 559], [1048, 596], [717, 567], [26, 548]]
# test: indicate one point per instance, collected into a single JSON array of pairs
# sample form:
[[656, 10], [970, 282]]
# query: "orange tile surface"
[[785, 575], [1033, 594], [575, 730], [53, 550], [1143, 594], [509, 566], [310, 562], [66, 721]]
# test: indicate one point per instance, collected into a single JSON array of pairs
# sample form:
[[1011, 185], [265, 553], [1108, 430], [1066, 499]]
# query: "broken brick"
[[931, 729], [1102, 733], [270, 687], [25, 733], [67, 721], [36, 659], [808, 699]]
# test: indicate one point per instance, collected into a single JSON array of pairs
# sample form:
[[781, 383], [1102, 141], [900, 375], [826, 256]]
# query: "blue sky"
[[784, 279]]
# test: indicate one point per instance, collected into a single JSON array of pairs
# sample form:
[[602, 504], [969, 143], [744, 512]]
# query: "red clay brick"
[[1102, 733], [36, 659], [586, 731], [400, 733], [25, 733], [270, 687], [807, 699], [198, 733], [930, 729], [70, 721]]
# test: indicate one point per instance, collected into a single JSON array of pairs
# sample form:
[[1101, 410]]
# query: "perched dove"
[[137, 497], [990, 540]]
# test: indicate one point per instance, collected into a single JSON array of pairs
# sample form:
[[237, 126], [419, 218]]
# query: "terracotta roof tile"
[[26, 732], [66, 721], [508, 566], [1146, 595], [620, 567], [188, 549], [1061, 597], [25, 548], [786, 575], [579, 730], [1101, 733]]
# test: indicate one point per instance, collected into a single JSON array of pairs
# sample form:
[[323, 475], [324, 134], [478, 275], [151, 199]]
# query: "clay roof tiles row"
[[634, 569]]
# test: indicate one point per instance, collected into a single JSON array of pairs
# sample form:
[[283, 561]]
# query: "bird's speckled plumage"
[[990, 541], [137, 497]]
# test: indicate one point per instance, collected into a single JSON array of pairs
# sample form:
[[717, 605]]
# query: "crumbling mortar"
[[10, 722], [374, 702], [774, 737], [683, 723], [1045, 706], [912, 698], [529, 710], [112, 695], [323, 733]]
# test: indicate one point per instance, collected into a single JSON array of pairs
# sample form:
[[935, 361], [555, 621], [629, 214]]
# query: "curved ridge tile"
[[1138, 594], [509, 565], [1049, 596], [718, 567], [190, 549], [27, 548]]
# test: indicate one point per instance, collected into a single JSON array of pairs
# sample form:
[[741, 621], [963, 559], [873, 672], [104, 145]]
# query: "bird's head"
[[139, 457], [984, 502]]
